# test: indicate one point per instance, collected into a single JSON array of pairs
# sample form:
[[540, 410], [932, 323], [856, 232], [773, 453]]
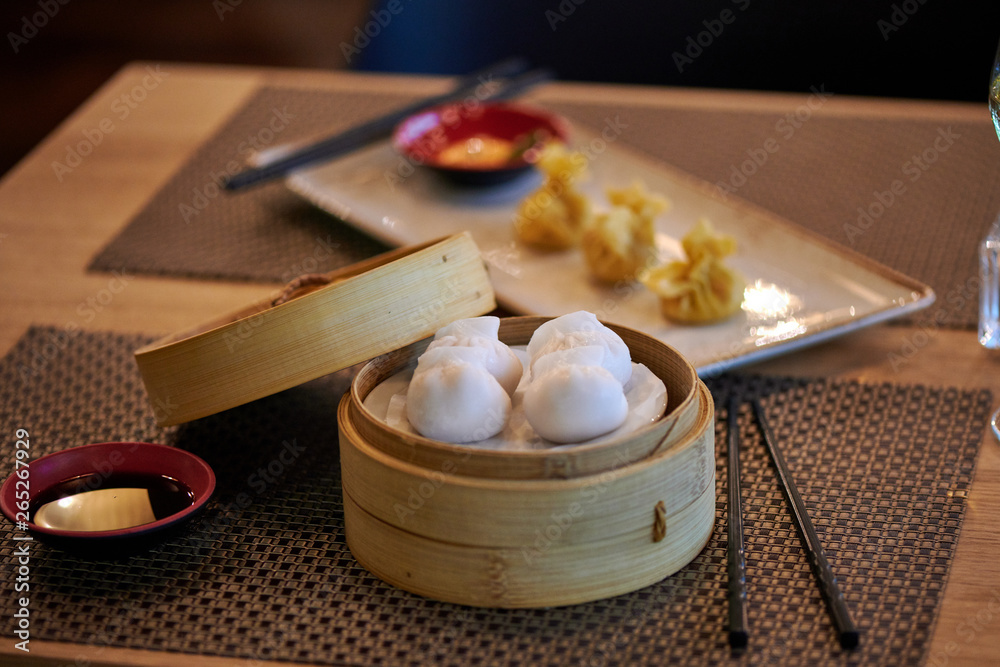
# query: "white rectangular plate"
[[801, 288]]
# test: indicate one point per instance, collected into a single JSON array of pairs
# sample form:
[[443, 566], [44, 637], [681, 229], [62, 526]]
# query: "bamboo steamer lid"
[[498, 529], [317, 325]]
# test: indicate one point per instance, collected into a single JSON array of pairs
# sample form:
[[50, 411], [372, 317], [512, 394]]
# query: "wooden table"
[[54, 219]]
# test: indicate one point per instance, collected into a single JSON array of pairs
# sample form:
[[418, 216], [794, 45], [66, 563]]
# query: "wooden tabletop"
[[58, 208]]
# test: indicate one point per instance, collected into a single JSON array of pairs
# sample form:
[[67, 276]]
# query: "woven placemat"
[[915, 195], [264, 573], [192, 228]]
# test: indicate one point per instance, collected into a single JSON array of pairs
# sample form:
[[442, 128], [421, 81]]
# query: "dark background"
[[931, 50]]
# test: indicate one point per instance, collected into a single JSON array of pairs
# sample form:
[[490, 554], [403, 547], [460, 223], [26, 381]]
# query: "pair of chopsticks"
[[739, 635], [515, 76]]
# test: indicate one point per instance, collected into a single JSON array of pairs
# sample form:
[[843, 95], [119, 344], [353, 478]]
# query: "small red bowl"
[[478, 144], [108, 460]]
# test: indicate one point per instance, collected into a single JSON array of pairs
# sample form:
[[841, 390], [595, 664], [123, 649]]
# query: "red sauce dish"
[[49, 496], [481, 143]]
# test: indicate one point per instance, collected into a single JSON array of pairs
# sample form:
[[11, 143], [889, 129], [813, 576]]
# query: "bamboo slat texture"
[[363, 310]]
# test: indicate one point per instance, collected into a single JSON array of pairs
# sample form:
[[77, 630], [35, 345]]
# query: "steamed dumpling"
[[583, 355], [576, 388], [487, 326], [454, 399], [572, 403], [481, 333], [581, 329], [448, 354], [461, 387]]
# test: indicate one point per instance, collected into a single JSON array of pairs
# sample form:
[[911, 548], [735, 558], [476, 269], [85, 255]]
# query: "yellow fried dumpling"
[[554, 216], [635, 197], [615, 246], [702, 288], [552, 223], [621, 243]]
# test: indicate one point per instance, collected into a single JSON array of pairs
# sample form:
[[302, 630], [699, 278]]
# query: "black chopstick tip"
[[850, 639], [237, 181], [738, 639]]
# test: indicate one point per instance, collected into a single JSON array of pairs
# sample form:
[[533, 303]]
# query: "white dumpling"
[[496, 357], [434, 356], [581, 329], [480, 333], [585, 355], [454, 400], [573, 403], [487, 326], [559, 326]]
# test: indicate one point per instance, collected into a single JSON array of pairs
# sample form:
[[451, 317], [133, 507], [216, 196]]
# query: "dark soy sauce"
[[92, 503]]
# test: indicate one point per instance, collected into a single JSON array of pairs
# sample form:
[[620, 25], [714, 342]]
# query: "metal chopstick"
[[738, 625], [847, 633]]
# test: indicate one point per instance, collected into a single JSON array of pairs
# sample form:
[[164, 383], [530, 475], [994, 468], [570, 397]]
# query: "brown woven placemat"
[[264, 573], [192, 228], [914, 195]]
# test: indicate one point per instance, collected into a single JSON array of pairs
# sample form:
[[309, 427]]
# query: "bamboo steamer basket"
[[535, 528]]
